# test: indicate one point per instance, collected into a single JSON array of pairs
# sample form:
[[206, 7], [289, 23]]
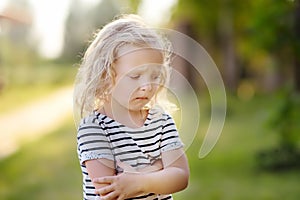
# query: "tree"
[[247, 39], [214, 26], [81, 23], [297, 46]]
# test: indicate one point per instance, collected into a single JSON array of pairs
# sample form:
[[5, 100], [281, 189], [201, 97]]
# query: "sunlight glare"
[[49, 18], [156, 12]]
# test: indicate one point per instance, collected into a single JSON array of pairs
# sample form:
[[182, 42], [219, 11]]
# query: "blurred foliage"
[[271, 27], [254, 42], [89, 19], [260, 33], [134, 5], [43, 169], [284, 121]]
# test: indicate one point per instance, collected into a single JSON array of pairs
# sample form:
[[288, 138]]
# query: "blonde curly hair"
[[96, 76]]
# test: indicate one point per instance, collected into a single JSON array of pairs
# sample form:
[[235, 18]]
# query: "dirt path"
[[34, 120]]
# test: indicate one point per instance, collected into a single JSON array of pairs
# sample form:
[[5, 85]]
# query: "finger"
[[104, 180], [110, 196], [104, 190], [121, 197]]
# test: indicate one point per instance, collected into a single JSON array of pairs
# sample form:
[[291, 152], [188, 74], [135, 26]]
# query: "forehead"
[[134, 58]]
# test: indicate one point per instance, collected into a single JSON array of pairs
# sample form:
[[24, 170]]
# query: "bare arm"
[[103, 167], [173, 178], [100, 168]]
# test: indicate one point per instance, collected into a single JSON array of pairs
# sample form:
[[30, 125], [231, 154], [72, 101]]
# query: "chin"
[[137, 107]]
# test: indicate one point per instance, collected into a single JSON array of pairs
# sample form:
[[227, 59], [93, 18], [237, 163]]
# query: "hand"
[[124, 185], [119, 187]]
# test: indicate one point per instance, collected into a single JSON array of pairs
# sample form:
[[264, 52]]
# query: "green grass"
[[49, 169], [230, 171], [44, 169]]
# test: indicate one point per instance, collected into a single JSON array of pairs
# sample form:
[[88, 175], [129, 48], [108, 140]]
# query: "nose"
[[146, 87]]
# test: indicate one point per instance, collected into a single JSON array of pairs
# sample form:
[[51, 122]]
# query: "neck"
[[130, 118]]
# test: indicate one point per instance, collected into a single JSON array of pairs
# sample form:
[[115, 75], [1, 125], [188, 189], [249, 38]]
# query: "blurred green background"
[[255, 44]]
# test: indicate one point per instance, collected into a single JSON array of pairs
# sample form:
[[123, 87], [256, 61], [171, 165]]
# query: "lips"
[[141, 98]]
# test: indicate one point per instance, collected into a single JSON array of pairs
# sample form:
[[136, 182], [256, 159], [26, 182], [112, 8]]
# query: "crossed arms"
[[167, 176]]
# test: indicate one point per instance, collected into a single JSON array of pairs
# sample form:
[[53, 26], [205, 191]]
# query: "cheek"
[[155, 87], [123, 90], [120, 95]]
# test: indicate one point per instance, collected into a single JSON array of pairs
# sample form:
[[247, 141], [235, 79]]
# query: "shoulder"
[[96, 122], [90, 123], [92, 118]]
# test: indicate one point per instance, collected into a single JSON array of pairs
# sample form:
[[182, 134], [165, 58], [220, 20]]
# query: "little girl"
[[128, 146]]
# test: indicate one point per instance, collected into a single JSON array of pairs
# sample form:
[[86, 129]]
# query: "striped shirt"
[[102, 137]]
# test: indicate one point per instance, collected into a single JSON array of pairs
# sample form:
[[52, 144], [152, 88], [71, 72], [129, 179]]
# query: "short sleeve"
[[170, 138], [92, 142]]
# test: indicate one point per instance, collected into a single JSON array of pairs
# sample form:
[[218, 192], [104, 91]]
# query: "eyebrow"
[[142, 69], [139, 69]]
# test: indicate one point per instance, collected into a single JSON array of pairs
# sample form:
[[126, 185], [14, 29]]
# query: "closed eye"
[[156, 76], [135, 76]]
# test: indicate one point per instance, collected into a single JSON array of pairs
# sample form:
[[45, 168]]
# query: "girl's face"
[[138, 77]]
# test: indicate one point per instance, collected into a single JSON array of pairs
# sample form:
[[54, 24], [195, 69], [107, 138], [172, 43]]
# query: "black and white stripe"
[[102, 137]]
